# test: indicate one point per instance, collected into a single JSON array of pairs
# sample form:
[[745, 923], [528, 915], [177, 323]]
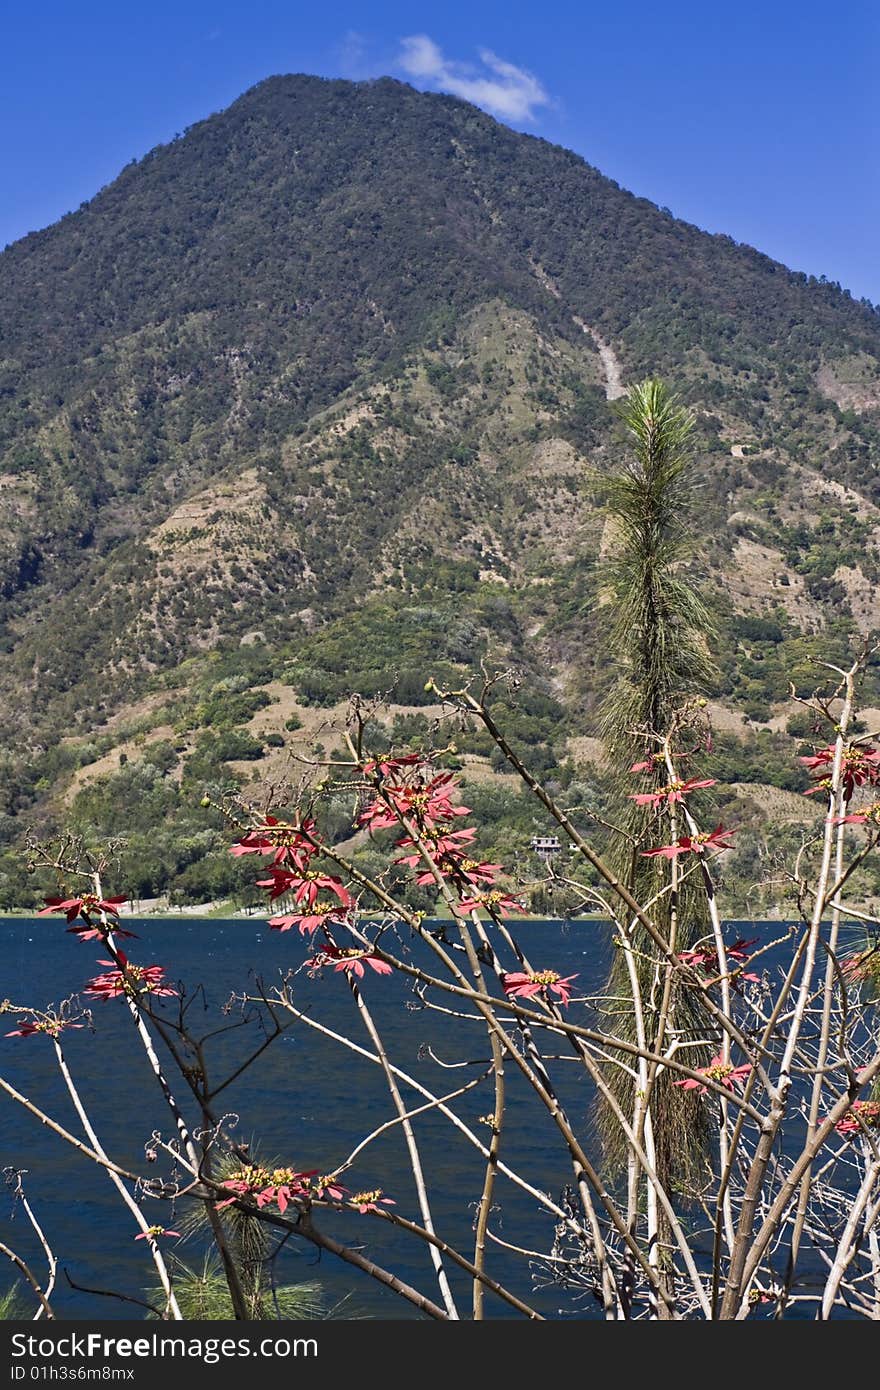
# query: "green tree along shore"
[[303, 403]]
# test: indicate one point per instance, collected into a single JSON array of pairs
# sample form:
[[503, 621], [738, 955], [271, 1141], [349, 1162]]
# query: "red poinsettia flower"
[[267, 1185], [322, 912], [675, 791], [282, 1193], [496, 901], [707, 957], [866, 1111], [131, 979], [478, 872], [427, 802], [439, 841], [696, 844], [350, 959], [51, 1027], [446, 848], [99, 932], [87, 905], [858, 766], [306, 887], [725, 1073], [519, 984], [370, 1201], [287, 843], [154, 1233]]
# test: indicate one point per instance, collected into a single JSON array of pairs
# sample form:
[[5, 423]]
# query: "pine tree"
[[659, 631]]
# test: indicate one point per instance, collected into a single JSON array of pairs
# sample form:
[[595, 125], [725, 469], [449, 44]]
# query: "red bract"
[[370, 1201], [238, 1187], [866, 1111], [27, 1027], [350, 959], [327, 1189], [281, 882], [649, 762], [282, 1194], [386, 766], [725, 1073], [154, 1232], [378, 816], [322, 912], [697, 844], [87, 905], [521, 984], [823, 785], [287, 843], [867, 813], [131, 979], [306, 888], [815, 762], [740, 948], [675, 791], [857, 766]]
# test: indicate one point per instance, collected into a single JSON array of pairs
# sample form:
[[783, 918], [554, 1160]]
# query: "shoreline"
[[222, 914]]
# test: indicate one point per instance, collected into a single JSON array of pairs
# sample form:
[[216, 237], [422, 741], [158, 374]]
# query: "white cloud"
[[499, 86]]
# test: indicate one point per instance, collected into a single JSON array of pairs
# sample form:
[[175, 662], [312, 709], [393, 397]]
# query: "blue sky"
[[756, 119]]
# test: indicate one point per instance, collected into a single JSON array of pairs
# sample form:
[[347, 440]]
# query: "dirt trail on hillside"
[[614, 387]]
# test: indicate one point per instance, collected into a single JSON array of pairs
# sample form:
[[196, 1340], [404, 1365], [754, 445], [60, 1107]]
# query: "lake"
[[306, 1102]]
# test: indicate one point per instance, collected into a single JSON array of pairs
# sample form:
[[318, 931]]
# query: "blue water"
[[306, 1101]]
